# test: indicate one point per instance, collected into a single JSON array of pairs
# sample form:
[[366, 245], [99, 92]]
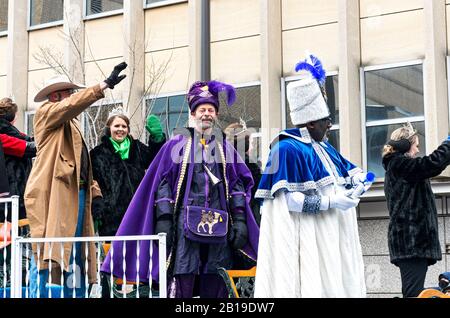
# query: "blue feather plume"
[[316, 69]]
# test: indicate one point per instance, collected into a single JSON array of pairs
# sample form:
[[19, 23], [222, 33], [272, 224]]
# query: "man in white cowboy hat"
[[58, 193], [309, 244]]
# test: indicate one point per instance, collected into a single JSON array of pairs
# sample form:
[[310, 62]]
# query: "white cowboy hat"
[[54, 84]]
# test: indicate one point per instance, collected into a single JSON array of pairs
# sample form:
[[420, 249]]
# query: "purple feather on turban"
[[208, 93], [216, 87]]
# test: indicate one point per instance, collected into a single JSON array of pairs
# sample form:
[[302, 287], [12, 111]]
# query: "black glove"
[[164, 225], [98, 206], [114, 78], [30, 150], [239, 232]]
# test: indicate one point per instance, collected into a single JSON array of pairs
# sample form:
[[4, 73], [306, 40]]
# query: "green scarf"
[[122, 148]]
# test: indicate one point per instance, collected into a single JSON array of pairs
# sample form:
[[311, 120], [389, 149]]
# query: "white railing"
[[20, 245], [14, 200]]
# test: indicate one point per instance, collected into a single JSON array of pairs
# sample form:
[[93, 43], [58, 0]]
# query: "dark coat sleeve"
[[418, 169], [237, 198], [164, 202]]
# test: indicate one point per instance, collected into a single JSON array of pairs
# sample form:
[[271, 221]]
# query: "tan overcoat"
[[51, 195]]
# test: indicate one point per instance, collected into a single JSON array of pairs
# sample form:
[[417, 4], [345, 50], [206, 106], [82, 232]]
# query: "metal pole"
[[16, 264], [205, 72], [162, 266]]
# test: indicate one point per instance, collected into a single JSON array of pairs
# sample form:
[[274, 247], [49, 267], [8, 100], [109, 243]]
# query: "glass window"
[[3, 15], [394, 93], [100, 6], [162, 2], [148, 2], [332, 89], [94, 120], [173, 112], [45, 11], [393, 97], [247, 108], [377, 137]]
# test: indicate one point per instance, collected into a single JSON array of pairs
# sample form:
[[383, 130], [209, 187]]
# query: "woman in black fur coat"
[[118, 165], [413, 229], [19, 149]]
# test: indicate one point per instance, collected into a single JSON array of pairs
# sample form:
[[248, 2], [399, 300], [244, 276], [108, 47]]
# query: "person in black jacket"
[[118, 165], [4, 184], [18, 150], [413, 229]]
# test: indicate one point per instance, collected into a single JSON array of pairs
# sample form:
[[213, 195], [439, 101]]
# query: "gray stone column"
[[434, 75], [17, 56], [74, 40], [349, 83], [134, 55], [271, 72], [196, 39]]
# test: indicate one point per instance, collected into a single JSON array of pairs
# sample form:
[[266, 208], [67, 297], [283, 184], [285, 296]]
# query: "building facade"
[[386, 61]]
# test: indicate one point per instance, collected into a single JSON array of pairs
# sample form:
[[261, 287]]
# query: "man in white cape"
[[309, 243]]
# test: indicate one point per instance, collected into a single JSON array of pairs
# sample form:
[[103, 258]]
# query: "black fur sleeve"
[[149, 151], [418, 169]]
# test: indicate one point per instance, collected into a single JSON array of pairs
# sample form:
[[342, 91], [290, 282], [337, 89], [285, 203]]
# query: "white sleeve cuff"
[[324, 203]]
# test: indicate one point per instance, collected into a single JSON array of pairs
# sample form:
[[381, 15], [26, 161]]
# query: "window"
[[151, 3], [46, 11], [100, 6], [29, 119], [332, 89], [3, 15], [247, 108], [392, 96], [173, 112], [94, 122]]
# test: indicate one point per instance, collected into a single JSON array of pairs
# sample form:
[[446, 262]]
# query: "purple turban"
[[208, 93]]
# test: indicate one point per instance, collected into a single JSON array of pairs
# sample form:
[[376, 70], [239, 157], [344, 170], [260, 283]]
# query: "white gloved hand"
[[359, 178], [342, 202]]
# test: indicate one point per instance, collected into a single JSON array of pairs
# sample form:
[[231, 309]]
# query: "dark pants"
[[205, 286], [413, 272]]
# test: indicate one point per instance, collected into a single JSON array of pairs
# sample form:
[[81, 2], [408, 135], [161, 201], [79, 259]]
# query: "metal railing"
[[20, 287], [14, 200]]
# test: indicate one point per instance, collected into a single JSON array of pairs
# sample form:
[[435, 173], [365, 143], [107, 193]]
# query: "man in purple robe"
[[197, 190]]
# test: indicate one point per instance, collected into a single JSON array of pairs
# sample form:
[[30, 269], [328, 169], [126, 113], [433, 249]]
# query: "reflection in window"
[[247, 108], [100, 6], [148, 2], [332, 89], [173, 112], [394, 93], [94, 119], [393, 97], [3, 15], [377, 137], [45, 11]]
